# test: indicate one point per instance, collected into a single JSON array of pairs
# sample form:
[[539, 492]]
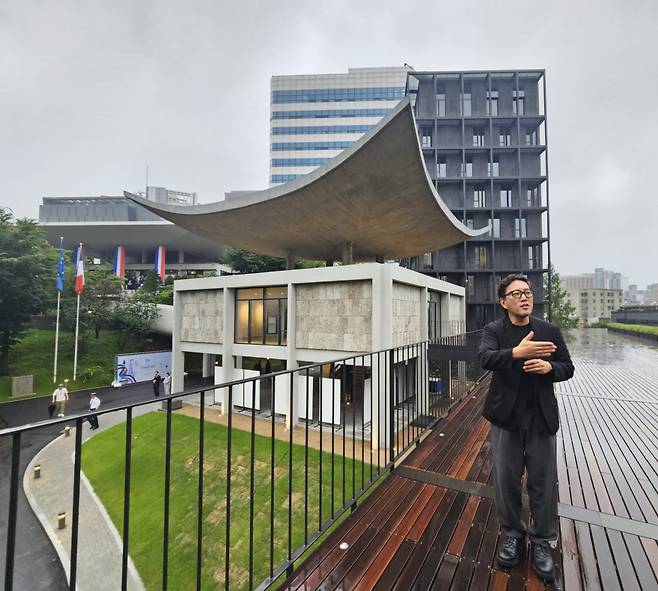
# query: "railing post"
[[391, 403], [13, 507]]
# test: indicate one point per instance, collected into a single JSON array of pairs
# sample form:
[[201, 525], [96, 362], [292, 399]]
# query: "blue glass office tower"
[[315, 117]]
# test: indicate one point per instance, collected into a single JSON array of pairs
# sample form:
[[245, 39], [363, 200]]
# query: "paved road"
[[37, 567]]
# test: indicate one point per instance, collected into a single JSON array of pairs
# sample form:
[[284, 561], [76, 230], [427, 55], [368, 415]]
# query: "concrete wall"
[[335, 316], [406, 314], [201, 315]]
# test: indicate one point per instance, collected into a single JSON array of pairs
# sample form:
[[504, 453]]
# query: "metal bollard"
[[37, 470], [61, 520]]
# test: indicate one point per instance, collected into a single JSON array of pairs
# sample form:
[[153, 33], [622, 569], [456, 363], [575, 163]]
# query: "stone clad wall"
[[202, 318], [406, 314], [334, 316]]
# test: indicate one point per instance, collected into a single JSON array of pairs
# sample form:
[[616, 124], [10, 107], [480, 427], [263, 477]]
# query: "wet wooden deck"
[[432, 523]]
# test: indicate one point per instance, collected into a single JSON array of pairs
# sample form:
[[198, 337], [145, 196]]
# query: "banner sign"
[[141, 367]]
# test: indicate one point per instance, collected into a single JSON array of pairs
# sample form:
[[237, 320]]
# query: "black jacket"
[[496, 355]]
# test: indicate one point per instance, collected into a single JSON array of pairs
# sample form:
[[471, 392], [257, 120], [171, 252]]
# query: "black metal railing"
[[245, 491]]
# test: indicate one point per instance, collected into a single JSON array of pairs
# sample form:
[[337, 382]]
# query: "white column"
[[228, 363], [422, 399], [208, 365], [291, 357], [177, 356]]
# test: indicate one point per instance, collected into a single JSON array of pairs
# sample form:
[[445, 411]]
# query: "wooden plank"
[[651, 550], [465, 523], [329, 554], [380, 557], [423, 546], [641, 564], [486, 555], [462, 578], [446, 572], [428, 512], [498, 580], [395, 566], [623, 561], [372, 536], [571, 565], [607, 570], [588, 557], [436, 553]]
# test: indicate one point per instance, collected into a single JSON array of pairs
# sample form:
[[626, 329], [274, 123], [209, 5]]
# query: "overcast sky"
[[91, 92]]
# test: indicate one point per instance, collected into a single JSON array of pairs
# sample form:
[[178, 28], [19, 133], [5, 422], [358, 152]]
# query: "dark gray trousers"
[[512, 452]]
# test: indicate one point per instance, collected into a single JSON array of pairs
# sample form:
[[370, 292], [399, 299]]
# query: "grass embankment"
[[34, 355], [103, 463], [639, 328]]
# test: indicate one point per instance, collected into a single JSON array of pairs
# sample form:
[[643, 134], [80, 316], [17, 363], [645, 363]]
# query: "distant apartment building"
[[593, 303], [315, 117], [601, 278], [651, 294], [483, 138], [634, 295]]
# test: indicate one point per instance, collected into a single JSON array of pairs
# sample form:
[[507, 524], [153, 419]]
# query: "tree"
[[135, 317], [27, 265], [151, 282], [244, 261], [102, 292], [562, 312]]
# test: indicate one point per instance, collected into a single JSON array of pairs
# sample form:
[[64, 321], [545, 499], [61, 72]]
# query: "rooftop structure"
[[373, 201]]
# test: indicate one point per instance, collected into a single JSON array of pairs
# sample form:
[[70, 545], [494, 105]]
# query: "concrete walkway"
[[99, 542]]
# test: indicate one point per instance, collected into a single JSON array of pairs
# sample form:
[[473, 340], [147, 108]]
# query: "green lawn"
[[641, 328], [103, 463], [34, 354]]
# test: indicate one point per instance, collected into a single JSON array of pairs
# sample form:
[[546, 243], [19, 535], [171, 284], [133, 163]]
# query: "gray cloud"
[[92, 92]]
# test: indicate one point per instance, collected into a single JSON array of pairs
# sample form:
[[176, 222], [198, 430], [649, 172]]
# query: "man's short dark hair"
[[505, 283]]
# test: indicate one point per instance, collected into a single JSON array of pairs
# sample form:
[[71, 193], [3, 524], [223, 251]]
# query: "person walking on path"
[[94, 403], [167, 384], [60, 397], [526, 355], [157, 380]]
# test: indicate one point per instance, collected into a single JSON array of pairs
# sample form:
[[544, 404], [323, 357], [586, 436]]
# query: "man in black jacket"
[[526, 355]]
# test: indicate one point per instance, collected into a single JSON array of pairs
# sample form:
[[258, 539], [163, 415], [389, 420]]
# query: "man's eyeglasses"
[[517, 293]]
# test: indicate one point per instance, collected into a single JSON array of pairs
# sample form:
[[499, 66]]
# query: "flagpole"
[[75, 353], [59, 296]]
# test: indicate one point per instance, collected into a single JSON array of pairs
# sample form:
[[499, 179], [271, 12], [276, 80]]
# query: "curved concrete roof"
[[376, 195]]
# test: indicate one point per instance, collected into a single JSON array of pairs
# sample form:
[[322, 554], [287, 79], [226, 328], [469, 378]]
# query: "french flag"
[[120, 262], [160, 262], [78, 258]]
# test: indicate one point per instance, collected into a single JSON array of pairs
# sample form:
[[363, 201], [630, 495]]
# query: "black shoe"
[[542, 562], [510, 551]]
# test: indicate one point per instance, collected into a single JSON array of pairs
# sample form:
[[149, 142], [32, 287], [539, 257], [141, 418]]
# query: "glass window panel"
[[283, 320], [242, 322], [276, 292], [250, 293], [272, 322], [256, 321]]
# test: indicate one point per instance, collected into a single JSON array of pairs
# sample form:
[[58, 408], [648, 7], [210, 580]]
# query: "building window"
[[442, 168], [479, 197], [533, 263], [532, 197], [506, 197], [427, 260], [440, 105], [480, 257], [493, 168], [470, 286], [518, 102], [478, 137], [492, 103], [426, 138], [520, 228], [261, 315], [469, 223], [531, 138], [494, 230], [467, 167], [505, 137], [466, 104]]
